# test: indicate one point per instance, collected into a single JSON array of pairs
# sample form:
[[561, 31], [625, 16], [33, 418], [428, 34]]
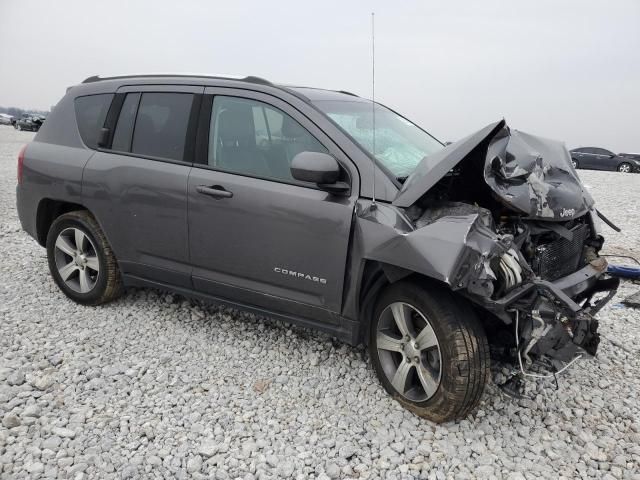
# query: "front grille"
[[561, 257]]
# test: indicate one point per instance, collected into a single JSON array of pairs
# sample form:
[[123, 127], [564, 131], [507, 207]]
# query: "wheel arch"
[[48, 210], [376, 276], [624, 162]]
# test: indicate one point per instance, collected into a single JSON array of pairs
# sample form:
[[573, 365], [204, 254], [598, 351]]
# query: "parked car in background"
[[31, 123], [593, 158], [6, 119]]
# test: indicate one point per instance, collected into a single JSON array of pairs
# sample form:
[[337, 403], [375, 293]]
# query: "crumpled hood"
[[530, 174]]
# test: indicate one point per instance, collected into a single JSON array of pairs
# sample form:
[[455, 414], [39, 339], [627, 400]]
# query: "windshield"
[[400, 144]]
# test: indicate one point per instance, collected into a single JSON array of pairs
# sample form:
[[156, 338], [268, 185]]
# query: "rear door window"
[[91, 112], [601, 151], [161, 125], [124, 128]]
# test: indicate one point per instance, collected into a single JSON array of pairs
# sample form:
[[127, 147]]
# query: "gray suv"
[[326, 210]]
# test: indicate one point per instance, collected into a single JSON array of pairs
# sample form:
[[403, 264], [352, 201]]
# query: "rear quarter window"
[[91, 112]]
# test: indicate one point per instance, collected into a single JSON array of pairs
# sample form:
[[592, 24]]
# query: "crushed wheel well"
[[373, 281], [376, 276], [48, 211]]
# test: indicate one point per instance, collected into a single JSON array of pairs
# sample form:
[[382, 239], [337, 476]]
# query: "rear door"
[[605, 160], [266, 239], [137, 184]]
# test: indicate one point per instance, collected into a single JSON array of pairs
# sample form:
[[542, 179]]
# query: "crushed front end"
[[528, 255]]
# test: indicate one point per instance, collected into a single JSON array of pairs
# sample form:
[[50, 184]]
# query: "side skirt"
[[347, 331]]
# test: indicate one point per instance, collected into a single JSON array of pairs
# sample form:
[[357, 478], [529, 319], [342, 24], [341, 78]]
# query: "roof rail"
[[249, 78], [347, 93]]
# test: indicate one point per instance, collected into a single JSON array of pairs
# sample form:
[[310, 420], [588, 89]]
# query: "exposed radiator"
[[561, 257]]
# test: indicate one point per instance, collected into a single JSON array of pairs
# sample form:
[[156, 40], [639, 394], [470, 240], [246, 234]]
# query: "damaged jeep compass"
[[326, 210]]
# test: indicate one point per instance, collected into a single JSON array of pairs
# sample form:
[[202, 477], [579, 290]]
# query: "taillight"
[[21, 163]]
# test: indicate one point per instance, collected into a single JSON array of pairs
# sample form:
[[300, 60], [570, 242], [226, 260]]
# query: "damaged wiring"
[[536, 375]]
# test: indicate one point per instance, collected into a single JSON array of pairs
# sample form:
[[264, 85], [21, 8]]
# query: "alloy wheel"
[[624, 168], [77, 260], [409, 351]]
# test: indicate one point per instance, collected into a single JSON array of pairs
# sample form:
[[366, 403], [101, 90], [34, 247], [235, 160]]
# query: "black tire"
[[107, 285], [575, 163], [462, 344], [625, 167]]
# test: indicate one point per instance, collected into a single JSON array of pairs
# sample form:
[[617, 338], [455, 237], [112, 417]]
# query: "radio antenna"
[[373, 104]]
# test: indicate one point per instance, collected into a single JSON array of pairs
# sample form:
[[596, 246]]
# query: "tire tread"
[[114, 285], [466, 337]]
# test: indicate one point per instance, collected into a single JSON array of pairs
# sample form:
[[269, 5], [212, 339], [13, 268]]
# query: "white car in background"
[[5, 119]]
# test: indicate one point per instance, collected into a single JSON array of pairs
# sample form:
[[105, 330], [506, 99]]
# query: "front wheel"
[[624, 167], [81, 260], [574, 162], [429, 351]]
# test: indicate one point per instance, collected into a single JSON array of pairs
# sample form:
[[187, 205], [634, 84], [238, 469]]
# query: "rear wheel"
[[574, 162], [624, 167], [429, 351], [81, 261]]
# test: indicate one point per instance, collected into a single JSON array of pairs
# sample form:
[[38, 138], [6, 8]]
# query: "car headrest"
[[236, 126]]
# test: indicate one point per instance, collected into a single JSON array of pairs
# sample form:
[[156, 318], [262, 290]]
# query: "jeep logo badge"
[[568, 212]]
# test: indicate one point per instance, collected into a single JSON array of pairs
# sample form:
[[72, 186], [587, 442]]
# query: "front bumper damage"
[[503, 219], [555, 319]]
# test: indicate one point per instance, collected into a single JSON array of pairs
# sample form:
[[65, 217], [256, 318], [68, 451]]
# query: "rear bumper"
[[27, 211]]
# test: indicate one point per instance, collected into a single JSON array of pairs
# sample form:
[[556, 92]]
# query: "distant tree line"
[[17, 112]]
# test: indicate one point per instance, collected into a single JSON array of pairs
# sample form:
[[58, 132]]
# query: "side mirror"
[[319, 168]]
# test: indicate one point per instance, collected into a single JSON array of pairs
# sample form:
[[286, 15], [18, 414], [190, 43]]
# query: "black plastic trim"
[[202, 137], [113, 115], [189, 153]]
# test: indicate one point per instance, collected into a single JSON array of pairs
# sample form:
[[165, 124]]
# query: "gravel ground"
[[155, 386]]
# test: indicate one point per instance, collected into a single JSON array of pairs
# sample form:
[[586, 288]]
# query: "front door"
[[256, 235]]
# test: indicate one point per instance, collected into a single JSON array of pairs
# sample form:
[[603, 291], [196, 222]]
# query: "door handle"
[[216, 191]]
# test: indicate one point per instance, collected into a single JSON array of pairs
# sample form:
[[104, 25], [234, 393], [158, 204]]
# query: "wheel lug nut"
[[416, 359]]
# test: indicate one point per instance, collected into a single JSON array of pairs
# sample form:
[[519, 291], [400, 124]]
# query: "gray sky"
[[562, 69]]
